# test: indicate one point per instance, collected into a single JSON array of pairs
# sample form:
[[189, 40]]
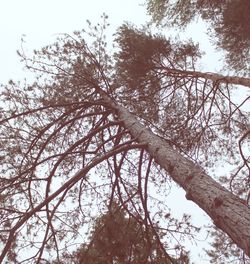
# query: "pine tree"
[[228, 23], [79, 136], [120, 238]]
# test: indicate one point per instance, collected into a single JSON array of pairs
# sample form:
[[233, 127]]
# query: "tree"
[[117, 238], [228, 20], [81, 119], [224, 250]]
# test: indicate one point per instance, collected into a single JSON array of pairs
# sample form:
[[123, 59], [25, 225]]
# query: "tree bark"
[[228, 212]]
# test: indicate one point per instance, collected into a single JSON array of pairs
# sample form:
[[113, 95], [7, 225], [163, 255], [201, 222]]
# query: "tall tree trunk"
[[215, 77], [228, 212]]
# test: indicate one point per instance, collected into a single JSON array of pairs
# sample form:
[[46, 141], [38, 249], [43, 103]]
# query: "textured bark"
[[229, 213]]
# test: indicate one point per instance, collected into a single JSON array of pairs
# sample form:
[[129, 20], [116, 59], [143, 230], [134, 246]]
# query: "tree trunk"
[[229, 213], [215, 77]]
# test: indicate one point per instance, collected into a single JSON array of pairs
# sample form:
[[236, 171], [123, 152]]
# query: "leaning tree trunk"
[[215, 77], [229, 212]]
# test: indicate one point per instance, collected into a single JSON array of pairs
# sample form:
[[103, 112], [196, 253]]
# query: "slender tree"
[[95, 125]]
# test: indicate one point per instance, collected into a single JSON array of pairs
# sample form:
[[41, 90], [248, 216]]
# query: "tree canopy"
[[228, 21], [119, 238], [97, 127]]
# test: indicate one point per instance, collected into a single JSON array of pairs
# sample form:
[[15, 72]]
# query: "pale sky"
[[42, 20]]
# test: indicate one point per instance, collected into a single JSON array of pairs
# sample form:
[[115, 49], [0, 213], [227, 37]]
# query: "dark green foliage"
[[117, 238], [139, 63], [229, 21], [233, 33], [140, 51], [140, 54]]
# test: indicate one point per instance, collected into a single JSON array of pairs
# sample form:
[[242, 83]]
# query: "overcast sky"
[[42, 20]]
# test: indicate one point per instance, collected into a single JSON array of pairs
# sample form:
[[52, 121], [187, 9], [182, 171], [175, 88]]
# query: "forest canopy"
[[118, 237], [228, 23], [99, 127]]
